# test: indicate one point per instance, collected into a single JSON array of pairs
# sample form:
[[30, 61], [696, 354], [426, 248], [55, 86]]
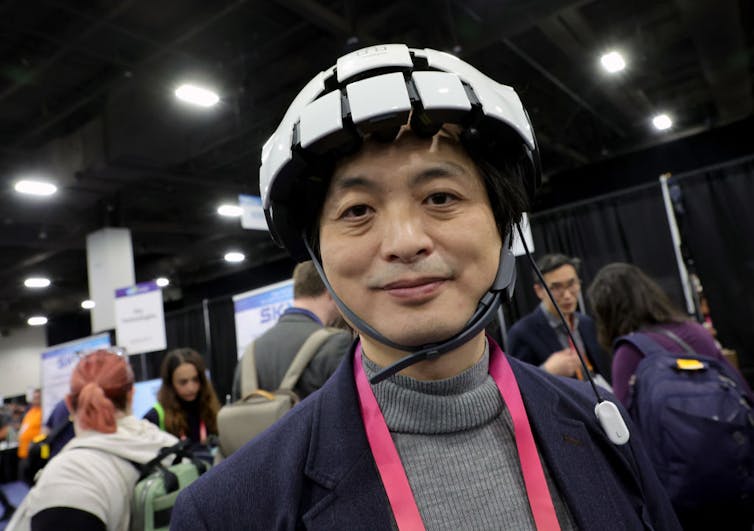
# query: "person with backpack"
[[692, 407], [313, 308], [8, 507], [400, 173], [89, 484], [186, 405]]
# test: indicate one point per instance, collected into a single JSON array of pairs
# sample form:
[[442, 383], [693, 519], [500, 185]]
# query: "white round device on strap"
[[612, 422]]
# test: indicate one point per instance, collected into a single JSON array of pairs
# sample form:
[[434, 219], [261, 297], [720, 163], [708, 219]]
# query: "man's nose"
[[404, 236]]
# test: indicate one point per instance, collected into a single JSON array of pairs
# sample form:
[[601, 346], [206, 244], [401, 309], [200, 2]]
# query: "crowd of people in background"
[[401, 218]]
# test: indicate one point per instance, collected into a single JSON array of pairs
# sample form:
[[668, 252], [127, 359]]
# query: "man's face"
[[408, 239], [565, 287]]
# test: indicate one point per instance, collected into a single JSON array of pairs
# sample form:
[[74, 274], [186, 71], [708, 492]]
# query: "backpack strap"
[[59, 428], [685, 346], [304, 356], [160, 414], [641, 342], [249, 380]]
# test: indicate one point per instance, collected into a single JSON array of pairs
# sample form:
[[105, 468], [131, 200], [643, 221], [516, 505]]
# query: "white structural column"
[[676, 237], [110, 265]]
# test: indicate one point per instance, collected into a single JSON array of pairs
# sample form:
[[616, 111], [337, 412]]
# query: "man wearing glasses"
[[539, 338]]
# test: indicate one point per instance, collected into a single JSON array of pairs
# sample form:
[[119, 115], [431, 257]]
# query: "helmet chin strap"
[[483, 314]]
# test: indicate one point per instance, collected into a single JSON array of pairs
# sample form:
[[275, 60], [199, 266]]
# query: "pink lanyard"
[[391, 469]]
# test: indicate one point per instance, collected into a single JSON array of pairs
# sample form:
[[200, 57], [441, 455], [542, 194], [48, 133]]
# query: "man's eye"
[[356, 211], [440, 198]]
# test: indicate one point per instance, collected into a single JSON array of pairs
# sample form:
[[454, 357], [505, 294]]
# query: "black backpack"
[[695, 416]]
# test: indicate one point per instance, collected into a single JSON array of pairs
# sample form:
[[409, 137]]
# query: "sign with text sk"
[[139, 318], [259, 309]]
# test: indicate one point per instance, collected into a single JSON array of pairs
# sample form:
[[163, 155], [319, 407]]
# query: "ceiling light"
[[37, 320], [613, 62], [36, 282], [662, 122], [197, 95], [162, 282], [231, 211], [41, 188], [234, 257], [88, 304]]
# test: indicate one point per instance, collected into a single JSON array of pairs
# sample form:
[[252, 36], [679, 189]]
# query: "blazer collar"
[[341, 463], [340, 460], [572, 444]]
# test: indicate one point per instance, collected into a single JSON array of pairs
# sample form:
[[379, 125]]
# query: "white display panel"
[[258, 310], [57, 364]]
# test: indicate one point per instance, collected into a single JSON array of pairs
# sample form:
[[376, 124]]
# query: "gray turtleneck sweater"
[[455, 440]]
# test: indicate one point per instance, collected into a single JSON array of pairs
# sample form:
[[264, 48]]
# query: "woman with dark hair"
[[89, 484], [689, 418], [624, 300], [186, 405]]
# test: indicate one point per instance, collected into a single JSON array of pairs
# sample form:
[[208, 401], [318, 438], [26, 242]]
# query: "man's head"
[[307, 282], [376, 164], [36, 397], [561, 274], [310, 292]]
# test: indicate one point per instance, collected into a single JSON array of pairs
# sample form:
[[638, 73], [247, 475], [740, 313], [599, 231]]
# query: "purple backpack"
[[696, 419]]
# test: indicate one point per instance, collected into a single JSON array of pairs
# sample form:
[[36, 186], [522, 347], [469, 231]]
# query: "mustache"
[[392, 273]]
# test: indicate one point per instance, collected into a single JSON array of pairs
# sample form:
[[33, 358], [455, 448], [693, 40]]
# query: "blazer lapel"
[[568, 448], [340, 462]]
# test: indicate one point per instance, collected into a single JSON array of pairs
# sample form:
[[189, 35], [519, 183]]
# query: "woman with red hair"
[[89, 484]]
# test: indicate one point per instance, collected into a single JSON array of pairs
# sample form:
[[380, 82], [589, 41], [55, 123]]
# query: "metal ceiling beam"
[[717, 31], [326, 19], [65, 49], [581, 49], [107, 84], [510, 22]]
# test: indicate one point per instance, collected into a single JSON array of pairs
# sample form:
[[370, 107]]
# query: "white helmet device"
[[374, 91]]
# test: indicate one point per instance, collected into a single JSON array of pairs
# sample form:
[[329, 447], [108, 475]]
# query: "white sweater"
[[88, 475]]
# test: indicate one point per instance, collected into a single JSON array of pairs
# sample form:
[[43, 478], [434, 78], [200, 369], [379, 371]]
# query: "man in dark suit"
[[540, 339]]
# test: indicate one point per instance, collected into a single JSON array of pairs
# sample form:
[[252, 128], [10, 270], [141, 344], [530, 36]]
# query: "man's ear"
[[540, 291]]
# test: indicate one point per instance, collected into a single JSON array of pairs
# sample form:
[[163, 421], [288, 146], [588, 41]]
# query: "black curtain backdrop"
[[716, 219], [629, 226], [222, 326]]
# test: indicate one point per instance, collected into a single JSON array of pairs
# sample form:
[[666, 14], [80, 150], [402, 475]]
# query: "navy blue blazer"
[[314, 470], [533, 340]]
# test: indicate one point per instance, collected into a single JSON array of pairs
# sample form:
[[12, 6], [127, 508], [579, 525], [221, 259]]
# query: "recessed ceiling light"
[[37, 282], [613, 62], [234, 257], [162, 282], [40, 188], [197, 95], [88, 304], [662, 122], [231, 211], [37, 320]]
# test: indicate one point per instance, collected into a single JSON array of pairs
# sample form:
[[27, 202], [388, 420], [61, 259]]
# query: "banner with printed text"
[[258, 310], [140, 318], [57, 364]]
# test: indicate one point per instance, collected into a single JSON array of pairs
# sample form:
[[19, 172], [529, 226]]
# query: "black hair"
[[551, 262]]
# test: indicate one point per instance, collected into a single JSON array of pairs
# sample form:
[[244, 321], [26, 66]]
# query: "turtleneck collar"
[[462, 402]]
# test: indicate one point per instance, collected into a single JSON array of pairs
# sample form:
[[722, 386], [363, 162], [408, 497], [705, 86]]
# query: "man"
[[31, 426], [8, 507], [59, 424], [410, 233], [540, 337], [313, 308]]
